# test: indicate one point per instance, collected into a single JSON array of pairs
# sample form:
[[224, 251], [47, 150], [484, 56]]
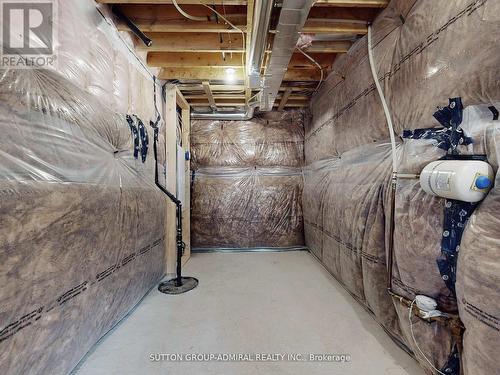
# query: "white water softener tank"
[[463, 180]]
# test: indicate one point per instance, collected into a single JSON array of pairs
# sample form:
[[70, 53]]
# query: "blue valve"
[[483, 182]]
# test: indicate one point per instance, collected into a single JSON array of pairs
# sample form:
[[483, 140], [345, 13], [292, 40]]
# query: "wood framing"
[[284, 99], [353, 3], [193, 42], [180, 2], [190, 60], [174, 98], [201, 54], [210, 97]]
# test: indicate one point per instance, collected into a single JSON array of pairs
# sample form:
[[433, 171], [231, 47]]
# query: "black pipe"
[[132, 26], [180, 244], [390, 259]]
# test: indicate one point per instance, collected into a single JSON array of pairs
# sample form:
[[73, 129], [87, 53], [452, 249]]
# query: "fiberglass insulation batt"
[[425, 52], [247, 182], [82, 234]]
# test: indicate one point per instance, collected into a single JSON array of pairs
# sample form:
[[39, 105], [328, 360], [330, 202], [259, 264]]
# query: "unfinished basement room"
[[249, 187]]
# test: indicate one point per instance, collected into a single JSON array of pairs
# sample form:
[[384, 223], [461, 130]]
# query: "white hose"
[[384, 104], [316, 63], [187, 15], [415, 341]]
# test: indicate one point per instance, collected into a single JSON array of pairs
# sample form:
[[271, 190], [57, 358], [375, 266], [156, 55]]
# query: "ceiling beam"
[[299, 61], [219, 73], [181, 27], [180, 2], [302, 75], [322, 26], [353, 14], [352, 3], [220, 103], [210, 97], [193, 87], [328, 47], [218, 97], [200, 73], [188, 60], [294, 104], [215, 96], [284, 99], [193, 42]]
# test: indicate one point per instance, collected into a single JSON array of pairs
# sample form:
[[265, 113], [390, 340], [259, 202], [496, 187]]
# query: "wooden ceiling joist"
[[194, 42], [180, 2], [221, 74], [218, 97], [352, 3], [192, 51], [201, 73], [210, 97], [321, 26], [188, 60], [284, 99], [232, 88], [299, 61], [182, 26], [329, 47], [241, 103]]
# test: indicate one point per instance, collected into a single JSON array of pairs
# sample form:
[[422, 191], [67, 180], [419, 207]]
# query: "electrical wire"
[[243, 35], [317, 64], [415, 341], [195, 18], [384, 103], [187, 15]]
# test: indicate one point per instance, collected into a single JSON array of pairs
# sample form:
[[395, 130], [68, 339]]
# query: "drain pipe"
[[179, 284], [132, 26]]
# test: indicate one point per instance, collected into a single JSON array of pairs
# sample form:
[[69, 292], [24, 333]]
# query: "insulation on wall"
[[82, 234], [425, 52], [247, 182], [98, 58]]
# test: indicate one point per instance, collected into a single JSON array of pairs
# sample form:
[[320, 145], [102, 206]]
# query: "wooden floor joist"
[[321, 26], [185, 26], [220, 73], [353, 3], [187, 60], [182, 26], [201, 73], [329, 47], [180, 2], [284, 99], [210, 97], [193, 42], [186, 88], [211, 54]]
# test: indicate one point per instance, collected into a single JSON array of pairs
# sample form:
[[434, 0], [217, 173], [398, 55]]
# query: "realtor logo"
[[28, 31]]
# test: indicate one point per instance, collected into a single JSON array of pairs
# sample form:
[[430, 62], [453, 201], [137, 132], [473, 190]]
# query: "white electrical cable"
[[235, 28], [415, 341], [187, 15], [384, 103], [316, 63]]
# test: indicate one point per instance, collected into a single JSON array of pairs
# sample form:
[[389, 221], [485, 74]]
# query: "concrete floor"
[[250, 303]]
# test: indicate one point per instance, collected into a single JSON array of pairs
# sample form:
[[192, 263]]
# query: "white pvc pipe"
[[384, 103]]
